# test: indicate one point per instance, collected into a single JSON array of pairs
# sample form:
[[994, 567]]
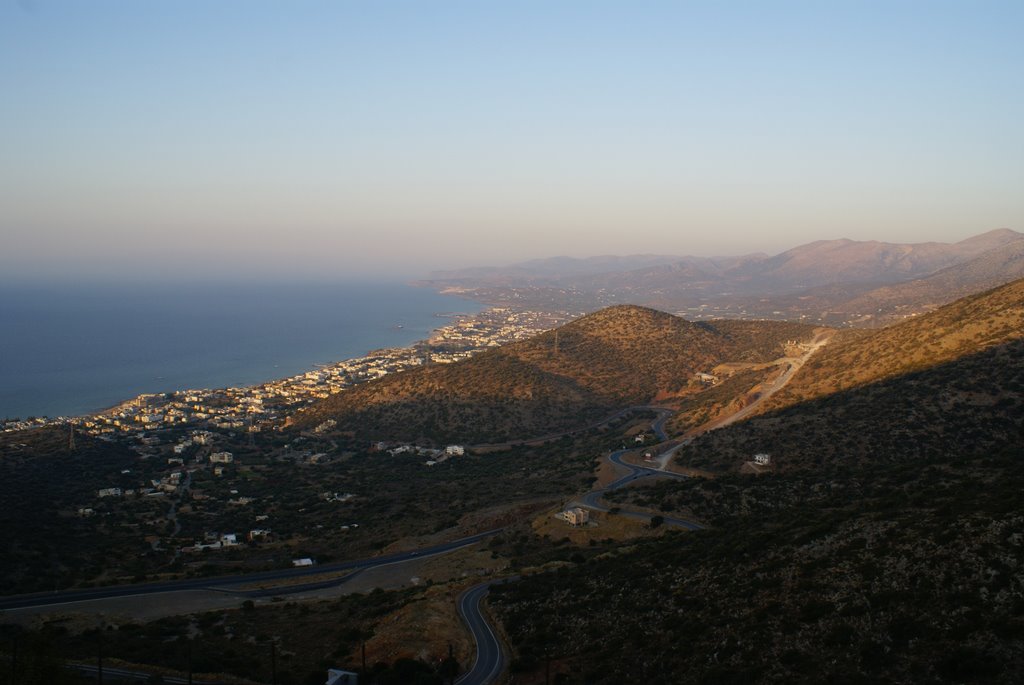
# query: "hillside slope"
[[952, 380], [852, 261], [900, 574], [682, 279], [560, 380], [988, 270]]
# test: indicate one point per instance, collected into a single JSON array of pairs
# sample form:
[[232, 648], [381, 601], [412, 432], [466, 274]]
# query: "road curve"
[[490, 659], [592, 500]]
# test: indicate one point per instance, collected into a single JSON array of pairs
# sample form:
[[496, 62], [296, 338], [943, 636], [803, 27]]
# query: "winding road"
[[490, 659], [592, 500], [226, 583]]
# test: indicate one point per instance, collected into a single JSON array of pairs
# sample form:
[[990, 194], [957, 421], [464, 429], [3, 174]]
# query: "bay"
[[75, 349]]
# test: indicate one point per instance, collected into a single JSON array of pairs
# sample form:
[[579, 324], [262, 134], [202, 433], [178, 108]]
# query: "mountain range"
[[829, 281], [882, 544]]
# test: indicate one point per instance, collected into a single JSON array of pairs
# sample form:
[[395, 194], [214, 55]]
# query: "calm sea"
[[70, 350]]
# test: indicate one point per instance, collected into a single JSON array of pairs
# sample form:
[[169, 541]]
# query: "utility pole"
[[71, 438], [14, 661], [99, 656]]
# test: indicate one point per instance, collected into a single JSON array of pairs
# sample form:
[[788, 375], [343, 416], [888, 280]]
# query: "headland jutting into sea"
[[263, 406]]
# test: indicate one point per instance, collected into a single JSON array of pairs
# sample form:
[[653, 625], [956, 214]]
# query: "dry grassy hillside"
[[964, 327], [951, 382], [559, 380]]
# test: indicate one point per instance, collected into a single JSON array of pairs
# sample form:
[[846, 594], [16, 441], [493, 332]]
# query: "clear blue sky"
[[339, 139]]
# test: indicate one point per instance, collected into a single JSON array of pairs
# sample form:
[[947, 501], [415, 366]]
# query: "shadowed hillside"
[[42, 485], [903, 573], [560, 380]]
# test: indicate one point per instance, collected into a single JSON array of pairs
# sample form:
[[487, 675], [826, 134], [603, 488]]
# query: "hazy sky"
[[340, 139]]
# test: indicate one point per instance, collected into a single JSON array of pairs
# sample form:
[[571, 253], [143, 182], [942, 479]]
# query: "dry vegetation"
[[963, 328], [950, 381], [899, 573], [559, 380]]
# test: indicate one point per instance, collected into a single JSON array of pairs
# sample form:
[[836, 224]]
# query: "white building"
[[577, 516], [336, 677]]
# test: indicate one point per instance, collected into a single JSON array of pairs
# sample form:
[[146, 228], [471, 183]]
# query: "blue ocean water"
[[70, 350]]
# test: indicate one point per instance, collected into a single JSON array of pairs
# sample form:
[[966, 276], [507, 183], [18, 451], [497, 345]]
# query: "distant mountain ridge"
[[816, 263], [987, 270], [828, 281]]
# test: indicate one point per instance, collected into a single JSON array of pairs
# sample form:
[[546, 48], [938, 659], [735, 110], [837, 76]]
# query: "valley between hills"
[[880, 538]]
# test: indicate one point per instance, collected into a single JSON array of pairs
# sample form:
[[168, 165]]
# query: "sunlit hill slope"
[[561, 380], [948, 382]]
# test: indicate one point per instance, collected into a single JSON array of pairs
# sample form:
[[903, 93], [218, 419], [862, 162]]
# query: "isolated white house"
[[577, 516]]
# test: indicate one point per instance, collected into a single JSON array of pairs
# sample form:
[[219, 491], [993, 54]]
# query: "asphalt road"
[[490, 659], [592, 500], [122, 675], [224, 583]]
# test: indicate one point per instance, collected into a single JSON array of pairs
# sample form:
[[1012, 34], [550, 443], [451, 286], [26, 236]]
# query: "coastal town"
[[265, 406], [193, 456]]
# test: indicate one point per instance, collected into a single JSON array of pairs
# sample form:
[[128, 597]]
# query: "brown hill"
[[850, 261], [949, 380], [818, 263], [560, 380], [957, 330]]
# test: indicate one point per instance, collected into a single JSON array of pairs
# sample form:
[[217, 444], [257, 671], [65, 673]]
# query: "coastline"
[[266, 404], [75, 351]]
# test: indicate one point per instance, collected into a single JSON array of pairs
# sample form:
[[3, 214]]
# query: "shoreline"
[[105, 358], [267, 403], [315, 365]]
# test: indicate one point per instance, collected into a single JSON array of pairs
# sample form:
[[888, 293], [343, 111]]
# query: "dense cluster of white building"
[[256, 407]]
